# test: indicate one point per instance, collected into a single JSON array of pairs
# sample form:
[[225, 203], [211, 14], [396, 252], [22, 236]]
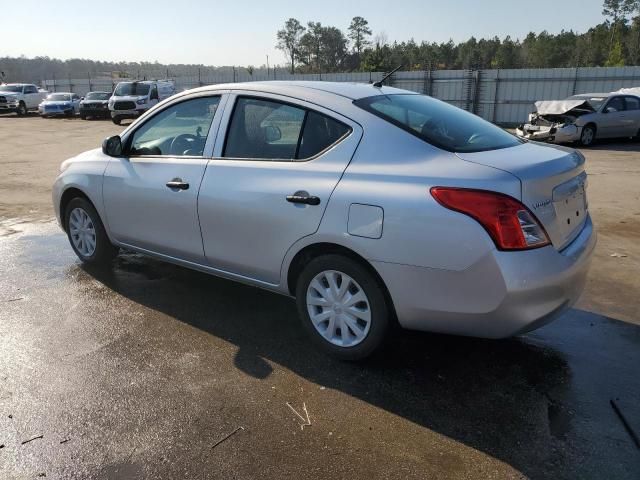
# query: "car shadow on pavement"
[[517, 400]]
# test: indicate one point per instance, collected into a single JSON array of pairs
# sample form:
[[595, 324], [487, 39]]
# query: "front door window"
[[179, 130]]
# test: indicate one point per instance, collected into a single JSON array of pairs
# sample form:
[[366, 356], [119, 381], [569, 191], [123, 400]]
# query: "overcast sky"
[[225, 32]]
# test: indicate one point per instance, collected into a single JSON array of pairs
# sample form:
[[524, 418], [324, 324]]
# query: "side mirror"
[[272, 133], [112, 146]]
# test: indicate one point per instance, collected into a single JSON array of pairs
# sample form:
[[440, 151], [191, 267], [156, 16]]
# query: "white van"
[[132, 99]]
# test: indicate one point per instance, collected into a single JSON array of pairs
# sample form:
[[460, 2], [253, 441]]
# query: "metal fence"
[[504, 97]]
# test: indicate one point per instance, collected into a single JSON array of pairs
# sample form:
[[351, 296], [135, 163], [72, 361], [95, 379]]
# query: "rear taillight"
[[509, 223]]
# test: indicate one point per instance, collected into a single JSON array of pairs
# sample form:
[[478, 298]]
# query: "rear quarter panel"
[[394, 170]]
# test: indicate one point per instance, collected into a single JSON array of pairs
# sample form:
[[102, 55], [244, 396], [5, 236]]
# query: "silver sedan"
[[584, 118], [370, 205]]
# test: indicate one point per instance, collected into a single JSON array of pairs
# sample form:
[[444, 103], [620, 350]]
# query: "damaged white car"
[[584, 118]]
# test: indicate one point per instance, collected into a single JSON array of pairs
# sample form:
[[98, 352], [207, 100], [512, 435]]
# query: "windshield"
[[59, 97], [131, 89], [439, 123], [595, 102], [97, 96], [11, 88]]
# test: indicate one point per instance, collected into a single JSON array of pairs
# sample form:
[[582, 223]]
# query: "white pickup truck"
[[20, 98]]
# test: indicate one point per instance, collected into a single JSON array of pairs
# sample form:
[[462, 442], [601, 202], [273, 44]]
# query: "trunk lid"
[[553, 185]]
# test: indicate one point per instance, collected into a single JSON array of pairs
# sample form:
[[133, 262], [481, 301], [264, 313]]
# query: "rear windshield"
[[438, 123]]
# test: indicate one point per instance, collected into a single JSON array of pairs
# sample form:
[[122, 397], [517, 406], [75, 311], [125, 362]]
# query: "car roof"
[[353, 91]]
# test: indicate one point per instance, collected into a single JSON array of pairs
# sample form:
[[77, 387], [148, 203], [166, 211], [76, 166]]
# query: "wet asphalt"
[[149, 370]]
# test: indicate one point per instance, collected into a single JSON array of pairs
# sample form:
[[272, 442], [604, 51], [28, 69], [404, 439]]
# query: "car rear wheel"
[[116, 120], [83, 116], [588, 135], [22, 109], [86, 233], [342, 306]]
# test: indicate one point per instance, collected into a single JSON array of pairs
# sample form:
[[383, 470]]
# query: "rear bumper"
[[503, 294]]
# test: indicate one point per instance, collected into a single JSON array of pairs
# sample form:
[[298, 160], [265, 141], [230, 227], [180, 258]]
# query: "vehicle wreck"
[[555, 120], [585, 118]]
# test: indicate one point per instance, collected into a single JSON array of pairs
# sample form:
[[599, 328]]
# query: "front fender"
[[86, 175]]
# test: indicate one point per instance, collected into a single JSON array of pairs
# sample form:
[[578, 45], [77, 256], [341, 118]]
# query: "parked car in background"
[[95, 105], [584, 118], [132, 99], [368, 204], [60, 104], [20, 98]]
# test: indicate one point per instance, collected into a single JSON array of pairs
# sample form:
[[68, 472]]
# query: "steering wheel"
[[182, 143]]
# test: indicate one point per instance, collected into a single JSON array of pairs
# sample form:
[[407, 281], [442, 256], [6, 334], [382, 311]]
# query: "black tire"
[[22, 109], [380, 313], [116, 120], [83, 116], [104, 251], [588, 135]]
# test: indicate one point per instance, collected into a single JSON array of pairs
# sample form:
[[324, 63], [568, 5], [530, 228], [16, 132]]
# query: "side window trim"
[[300, 135], [128, 134], [226, 121]]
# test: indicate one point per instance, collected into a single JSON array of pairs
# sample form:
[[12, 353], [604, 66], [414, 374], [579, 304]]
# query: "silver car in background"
[[370, 205], [584, 118], [60, 104]]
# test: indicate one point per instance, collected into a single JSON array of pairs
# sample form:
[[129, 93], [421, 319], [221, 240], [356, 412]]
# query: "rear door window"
[[320, 132], [262, 129], [438, 123], [633, 103]]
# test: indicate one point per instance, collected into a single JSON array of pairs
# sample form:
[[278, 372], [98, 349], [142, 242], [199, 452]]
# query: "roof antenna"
[[378, 84]]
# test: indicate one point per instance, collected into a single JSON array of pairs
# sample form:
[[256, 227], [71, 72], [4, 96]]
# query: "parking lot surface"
[[150, 370]]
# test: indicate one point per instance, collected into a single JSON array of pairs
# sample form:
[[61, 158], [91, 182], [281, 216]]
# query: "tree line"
[[315, 48]]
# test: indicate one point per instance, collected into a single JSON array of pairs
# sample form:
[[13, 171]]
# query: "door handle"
[[304, 199], [177, 184]]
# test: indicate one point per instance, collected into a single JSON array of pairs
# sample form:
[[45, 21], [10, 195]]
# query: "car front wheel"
[[342, 306], [588, 135], [86, 233], [22, 109]]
